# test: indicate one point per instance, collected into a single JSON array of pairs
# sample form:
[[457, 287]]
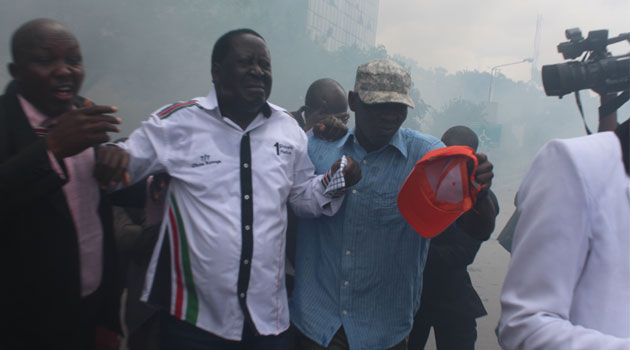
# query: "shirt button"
[[364, 161], [346, 283], [246, 197], [245, 261], [347, 252], [245, 165], [247, 228], [242, 295], [354, 191], [345, 312]]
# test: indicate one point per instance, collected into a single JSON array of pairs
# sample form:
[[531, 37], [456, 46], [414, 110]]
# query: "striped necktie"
[[42, 130]]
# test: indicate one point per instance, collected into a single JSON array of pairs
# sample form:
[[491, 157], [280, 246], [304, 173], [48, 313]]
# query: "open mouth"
[[255, 87], [64, 92]]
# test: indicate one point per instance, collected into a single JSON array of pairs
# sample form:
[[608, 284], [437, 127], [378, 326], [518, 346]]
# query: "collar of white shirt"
[[211, 102]]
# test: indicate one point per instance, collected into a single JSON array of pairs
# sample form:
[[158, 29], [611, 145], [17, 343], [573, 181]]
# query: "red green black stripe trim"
[[179, 287], [192, 305], [174, 108]]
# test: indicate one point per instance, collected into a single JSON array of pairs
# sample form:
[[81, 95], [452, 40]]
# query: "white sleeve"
[[147, 147], [307, 198], [549, 252]]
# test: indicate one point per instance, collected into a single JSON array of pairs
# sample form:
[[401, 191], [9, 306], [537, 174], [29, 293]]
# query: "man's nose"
[[256, 70], [62, 69], [391, 117]]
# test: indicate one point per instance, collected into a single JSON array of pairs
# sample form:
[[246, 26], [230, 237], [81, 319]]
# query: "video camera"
[[598, 69]]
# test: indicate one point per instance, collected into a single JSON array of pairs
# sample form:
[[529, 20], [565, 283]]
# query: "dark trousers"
[[147, 335], [456, 333], [338, 342], [181, 335], [91, 308]]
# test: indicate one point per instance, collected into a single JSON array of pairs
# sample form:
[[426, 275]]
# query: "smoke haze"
[[140, 55]]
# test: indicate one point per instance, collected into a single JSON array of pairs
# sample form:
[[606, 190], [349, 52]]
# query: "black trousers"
[[338, 342], [455, 332], [181, 335]]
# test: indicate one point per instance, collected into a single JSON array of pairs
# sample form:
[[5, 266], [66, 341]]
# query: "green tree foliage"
[[457, 111]]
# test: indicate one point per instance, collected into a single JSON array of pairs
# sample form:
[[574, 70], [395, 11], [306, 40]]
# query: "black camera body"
[[598, 70]]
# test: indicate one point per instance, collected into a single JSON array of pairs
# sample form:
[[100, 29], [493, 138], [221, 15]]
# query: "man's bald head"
[[328, 90], [34, 33], [461, 136], [47, 65], [325, 97]]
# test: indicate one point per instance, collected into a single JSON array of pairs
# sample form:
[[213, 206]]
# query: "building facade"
[[338, 23]]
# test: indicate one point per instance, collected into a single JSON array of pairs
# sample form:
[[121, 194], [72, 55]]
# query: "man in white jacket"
[[568, 284]]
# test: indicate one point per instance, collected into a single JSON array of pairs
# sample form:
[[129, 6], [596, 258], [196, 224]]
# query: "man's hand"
[[351, 172], [484, 173], [330, 129], [479, 222], [159, 183], [111, 166], [80, 129], [607, 122]]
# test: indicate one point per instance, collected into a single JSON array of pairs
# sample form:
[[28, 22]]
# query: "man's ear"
[[13, 70], [352, 100], [214, 70]]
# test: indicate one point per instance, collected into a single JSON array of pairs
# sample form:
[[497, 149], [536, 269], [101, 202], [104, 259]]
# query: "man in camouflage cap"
[[359, 273], [383, 81]]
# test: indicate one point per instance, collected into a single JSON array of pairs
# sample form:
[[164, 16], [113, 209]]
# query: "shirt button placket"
[[345, 293], [247, 220]]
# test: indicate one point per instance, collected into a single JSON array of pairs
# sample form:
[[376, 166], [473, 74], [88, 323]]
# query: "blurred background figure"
[[449, 302], [325, 109], [325, 98]]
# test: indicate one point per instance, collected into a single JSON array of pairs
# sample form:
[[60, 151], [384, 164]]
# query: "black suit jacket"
[[447, 291], [39, 253]]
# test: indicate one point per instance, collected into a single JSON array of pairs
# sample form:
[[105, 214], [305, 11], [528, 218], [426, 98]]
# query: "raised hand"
[[80, 129], [484, 173], [330, 128]]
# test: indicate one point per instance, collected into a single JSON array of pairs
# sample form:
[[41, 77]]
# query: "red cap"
[[438, 190]]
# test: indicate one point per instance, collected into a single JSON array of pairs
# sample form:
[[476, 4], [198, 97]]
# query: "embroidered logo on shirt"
[[204, 160], [283, 149]]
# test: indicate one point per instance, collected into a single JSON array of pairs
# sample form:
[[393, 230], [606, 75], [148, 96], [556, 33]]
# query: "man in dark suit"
[[449, 302], [58, 254]]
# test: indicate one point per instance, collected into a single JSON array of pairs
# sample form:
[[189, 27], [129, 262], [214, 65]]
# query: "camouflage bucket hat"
[[383, 81]]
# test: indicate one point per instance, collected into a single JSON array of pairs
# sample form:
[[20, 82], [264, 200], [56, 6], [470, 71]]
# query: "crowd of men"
[[236, 192]]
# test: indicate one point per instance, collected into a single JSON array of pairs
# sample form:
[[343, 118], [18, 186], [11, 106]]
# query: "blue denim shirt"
[[362, 268]]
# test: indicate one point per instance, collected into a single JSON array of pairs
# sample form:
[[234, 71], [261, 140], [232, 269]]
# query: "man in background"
[[325, 98], [449, 302], [324, 115]]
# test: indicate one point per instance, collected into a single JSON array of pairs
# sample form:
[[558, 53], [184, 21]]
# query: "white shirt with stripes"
[[203, 226]]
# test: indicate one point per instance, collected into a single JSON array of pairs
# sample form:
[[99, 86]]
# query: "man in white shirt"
[[235, 161], [568, 284]]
